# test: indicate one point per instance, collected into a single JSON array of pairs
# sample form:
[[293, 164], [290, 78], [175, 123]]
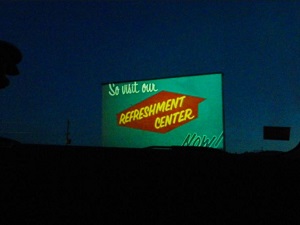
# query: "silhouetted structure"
[[10, 55], [277, 133]]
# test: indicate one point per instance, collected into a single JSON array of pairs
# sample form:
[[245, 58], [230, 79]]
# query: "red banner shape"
[[161, 112]]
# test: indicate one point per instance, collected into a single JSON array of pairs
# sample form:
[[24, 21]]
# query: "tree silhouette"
[[10, 55]]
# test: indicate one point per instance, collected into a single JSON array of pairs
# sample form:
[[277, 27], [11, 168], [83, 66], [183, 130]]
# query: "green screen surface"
[[178, 111]]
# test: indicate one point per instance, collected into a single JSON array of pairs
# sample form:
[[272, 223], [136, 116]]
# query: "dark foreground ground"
[[85, 185]]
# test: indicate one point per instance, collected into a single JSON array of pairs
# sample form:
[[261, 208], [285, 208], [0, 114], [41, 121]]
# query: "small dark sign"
[[277, 133]]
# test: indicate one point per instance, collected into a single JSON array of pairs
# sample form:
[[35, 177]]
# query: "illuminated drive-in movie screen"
[[165, 112]]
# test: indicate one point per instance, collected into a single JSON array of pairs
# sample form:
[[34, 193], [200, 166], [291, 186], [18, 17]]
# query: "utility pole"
[[68, 139]]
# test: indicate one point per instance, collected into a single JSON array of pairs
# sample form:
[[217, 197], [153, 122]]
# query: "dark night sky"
[[71, 47]]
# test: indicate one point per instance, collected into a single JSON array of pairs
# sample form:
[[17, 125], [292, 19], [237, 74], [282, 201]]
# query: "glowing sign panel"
[[181, 111]]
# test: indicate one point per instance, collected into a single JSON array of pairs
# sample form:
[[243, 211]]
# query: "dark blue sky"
[[71, 47]]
